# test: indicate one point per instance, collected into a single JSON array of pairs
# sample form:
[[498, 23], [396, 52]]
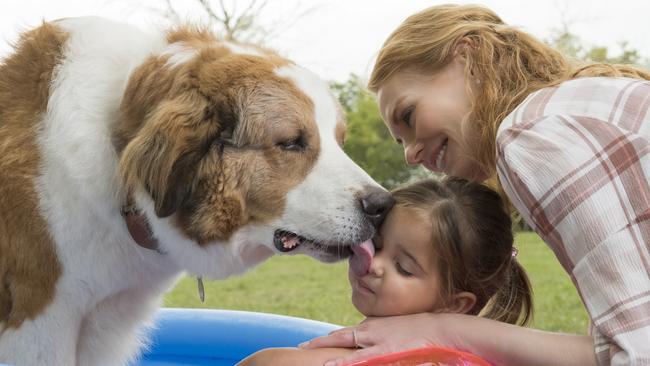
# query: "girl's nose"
[[414, 153], [376, 266]]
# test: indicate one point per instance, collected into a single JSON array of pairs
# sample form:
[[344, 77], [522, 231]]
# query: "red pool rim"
[[432, 356]]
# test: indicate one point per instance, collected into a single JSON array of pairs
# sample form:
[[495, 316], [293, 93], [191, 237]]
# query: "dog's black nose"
[[376, 203]]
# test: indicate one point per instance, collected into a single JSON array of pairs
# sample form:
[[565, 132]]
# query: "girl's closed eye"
[[401, 270]]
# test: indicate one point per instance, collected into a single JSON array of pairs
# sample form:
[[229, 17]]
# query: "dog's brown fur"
[[29, 268], [177, 137]]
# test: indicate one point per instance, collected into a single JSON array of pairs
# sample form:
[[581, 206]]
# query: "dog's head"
[[235, 153]]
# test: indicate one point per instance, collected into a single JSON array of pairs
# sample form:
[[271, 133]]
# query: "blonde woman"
[[470, 96]]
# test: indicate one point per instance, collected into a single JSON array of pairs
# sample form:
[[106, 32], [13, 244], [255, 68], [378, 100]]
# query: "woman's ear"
[[463, 47], [463, 55], [461, 303]]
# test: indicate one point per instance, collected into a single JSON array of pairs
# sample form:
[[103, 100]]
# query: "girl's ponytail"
[[513, 301]]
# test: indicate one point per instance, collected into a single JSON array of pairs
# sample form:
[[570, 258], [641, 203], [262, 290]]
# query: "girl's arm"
[[294, 356], [496, 342]]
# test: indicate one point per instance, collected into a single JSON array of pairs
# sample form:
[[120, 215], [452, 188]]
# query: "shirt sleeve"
[[582, 184]]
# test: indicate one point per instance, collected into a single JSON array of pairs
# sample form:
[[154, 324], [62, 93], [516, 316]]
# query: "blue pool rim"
[[223, 337]]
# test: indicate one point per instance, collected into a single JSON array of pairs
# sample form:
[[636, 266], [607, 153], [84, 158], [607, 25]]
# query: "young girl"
[[468, 95], [446, 246]]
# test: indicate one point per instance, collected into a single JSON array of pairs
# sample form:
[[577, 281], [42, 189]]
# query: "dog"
[[129, 157]]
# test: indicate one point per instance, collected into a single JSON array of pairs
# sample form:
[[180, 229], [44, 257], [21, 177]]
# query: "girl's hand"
[[378, 336]]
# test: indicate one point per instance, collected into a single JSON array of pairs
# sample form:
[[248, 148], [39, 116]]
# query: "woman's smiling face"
[[427, 115]]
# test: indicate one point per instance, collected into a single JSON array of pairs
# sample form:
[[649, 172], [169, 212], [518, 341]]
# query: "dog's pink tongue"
[[362, 257]]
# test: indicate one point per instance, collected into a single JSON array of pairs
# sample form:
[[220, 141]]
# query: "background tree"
[[244, 21], [368, 141], [573, 47]]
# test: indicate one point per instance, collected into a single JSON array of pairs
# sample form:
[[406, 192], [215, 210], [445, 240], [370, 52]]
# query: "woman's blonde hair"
[[504, 63]]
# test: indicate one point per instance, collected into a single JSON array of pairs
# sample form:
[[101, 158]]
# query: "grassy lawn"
[[300, 286]]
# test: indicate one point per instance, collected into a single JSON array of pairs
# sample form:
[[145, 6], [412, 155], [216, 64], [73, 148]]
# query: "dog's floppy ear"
[[164, 154]]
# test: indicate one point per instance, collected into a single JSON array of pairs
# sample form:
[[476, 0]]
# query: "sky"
[[335, 38]]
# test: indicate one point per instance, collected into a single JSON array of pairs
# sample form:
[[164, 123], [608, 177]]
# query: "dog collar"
[[139, 227], [141, 233]]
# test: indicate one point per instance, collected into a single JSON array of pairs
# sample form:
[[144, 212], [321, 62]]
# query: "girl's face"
[[427, 116], [403, 276]]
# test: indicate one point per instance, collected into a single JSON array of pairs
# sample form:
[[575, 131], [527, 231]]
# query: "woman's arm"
[[507, 344], [294, 356], [496, 342]]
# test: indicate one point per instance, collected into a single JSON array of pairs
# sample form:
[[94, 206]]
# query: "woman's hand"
[[377, 336], [498, 343]]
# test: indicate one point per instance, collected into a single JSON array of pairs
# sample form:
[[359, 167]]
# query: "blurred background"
[[338, 40]]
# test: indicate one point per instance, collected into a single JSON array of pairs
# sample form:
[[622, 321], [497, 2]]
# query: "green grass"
[[300, 286], [557, 304]]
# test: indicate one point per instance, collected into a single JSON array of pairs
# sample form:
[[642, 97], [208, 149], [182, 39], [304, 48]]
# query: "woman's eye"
[[401, 270], [406, 116]]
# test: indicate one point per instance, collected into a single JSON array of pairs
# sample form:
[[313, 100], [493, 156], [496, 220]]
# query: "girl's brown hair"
[[473, 243], [508, 64]]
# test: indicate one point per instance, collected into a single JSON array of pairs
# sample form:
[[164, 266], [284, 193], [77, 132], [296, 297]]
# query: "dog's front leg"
[[115, 331], [48, 339]]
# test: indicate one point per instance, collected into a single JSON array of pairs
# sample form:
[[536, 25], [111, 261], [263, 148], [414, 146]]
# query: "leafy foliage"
[[368, 141], [572, 46]]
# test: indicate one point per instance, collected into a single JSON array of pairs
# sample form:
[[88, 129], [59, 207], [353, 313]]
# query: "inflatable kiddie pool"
[[196, 337], [223, 337]]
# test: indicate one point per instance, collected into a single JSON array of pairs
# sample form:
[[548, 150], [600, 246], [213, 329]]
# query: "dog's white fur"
[[109, 287]]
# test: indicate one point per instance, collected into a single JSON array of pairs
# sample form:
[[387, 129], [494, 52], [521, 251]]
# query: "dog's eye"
[[295, 144]]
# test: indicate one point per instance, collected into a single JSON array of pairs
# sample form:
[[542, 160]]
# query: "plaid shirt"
[[574, 161]]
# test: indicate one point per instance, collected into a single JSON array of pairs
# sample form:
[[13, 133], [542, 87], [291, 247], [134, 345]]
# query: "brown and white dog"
[[214, 155]]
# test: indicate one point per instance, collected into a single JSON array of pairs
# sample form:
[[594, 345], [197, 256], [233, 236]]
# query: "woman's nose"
[[414, 153]]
